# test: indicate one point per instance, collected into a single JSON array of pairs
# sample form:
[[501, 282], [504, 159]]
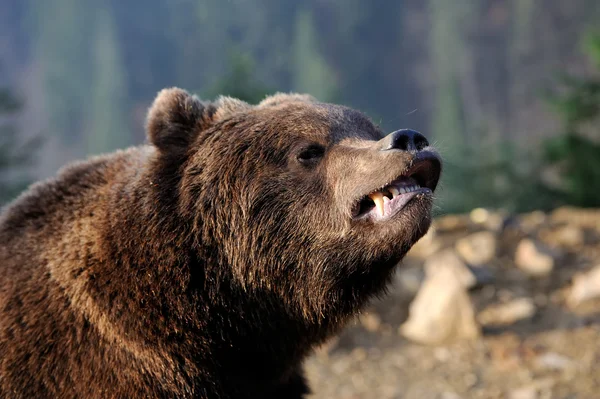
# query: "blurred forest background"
[[509, 90]]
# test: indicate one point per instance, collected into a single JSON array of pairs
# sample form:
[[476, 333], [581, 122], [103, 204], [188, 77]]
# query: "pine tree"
[[449, 127], [576, 152], [311, 73], [240, 81], [448, 52], [108, 128], [61, 31]]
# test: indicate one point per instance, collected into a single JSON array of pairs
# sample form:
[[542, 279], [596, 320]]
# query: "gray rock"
[[554, 361], [531, 222], [586, 286], [449, 223], [470, 276], [370, 321], [479, 215], [450, 395], [534, 259], [524, 393], [492, 221], [447, 262], [540, 389], [507, 313], [426, 246], [478, 248], [569, 236], [589, 218], [442, 310]]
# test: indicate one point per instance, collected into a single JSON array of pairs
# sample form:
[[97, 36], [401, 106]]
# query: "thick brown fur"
[[205, 264]]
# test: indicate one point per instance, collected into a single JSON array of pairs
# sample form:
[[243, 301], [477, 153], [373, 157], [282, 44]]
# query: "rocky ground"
[[485, 306]]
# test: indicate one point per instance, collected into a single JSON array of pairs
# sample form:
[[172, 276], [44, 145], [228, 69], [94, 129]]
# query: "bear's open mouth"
[[420, 178]]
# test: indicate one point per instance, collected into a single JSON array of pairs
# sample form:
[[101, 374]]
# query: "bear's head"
[[307, 201]]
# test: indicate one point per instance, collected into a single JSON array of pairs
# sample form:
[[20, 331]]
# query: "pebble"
[[447, 262], [589, 218], [507, 313], [427, 245], [442, 354], [450, 395], [450, 223], [359, 354], [586, 286], [540, 389], [478, 248], [492, 221], [370, 321], [531, 222], [479, 215], [524, 393], [534, 259], [568, 236], [554, 361]]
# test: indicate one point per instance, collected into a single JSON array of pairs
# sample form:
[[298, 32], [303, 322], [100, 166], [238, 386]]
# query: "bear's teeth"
[[394, 191], [408, 189], [378, 200]]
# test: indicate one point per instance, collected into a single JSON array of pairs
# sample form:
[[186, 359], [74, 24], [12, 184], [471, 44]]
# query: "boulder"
[[447, 262], [442, 311]]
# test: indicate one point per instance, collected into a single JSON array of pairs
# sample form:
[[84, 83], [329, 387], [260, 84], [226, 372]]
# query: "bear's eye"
[[309, 156]]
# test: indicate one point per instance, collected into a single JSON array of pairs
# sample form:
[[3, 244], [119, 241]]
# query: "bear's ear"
[[281, 98], [175, 119]]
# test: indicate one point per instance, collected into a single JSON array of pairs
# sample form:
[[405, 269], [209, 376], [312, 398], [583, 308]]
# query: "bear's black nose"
[[405, 140]]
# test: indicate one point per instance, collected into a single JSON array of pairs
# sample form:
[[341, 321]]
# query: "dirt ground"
[[552, 353]]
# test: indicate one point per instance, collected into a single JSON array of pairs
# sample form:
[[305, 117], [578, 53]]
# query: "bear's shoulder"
[[71, 187]]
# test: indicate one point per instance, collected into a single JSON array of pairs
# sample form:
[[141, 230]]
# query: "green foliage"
[[502, 175], [591, 46], [60, 35], [240, 81], [575, 153], [448, 122], [578, 161], [448, 53], [15, 156], [311, 72], [497, 176], [579, 101]]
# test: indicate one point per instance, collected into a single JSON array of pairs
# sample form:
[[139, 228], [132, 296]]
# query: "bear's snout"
[[404, 140]]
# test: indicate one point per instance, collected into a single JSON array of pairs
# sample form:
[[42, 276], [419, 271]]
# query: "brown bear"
[[209, 262]]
